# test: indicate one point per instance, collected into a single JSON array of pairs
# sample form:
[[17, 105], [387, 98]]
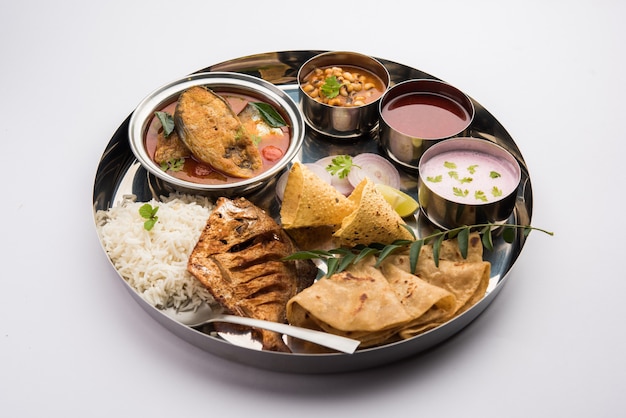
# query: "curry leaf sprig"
[[338, 259]]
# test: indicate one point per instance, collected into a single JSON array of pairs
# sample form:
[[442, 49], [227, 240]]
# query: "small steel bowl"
[[455, 175], [416, 114], [337, 121], [225, 82]]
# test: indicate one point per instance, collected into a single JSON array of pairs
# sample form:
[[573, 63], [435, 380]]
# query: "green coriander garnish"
[[480, 195], [496, 192], [436, 179], [341, 166], [466, 180], [453, 174], [472, 168], [331, 87], [494, 174], [450, 165], [149, 214], [174, 164], [460, 192]]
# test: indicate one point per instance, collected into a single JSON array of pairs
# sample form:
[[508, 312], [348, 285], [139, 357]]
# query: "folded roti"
[[309, 201], [386, 304], [466, 278], [373, 220]]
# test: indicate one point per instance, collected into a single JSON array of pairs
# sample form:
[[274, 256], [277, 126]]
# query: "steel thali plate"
[[119, 174]]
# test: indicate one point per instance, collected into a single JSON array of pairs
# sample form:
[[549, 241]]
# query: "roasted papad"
[[372, 221], [309, 201], [386, 304]]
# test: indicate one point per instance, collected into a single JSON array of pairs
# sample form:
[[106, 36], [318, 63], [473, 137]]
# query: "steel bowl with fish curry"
[[216, 137]]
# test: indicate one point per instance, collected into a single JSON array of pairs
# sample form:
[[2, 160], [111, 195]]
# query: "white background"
[[73, 342]]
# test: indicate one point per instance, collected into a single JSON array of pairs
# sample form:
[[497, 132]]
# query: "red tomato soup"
[[425, 115], [272, 146]]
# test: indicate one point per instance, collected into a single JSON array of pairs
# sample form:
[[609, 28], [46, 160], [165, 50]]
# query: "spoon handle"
[[336, 342]]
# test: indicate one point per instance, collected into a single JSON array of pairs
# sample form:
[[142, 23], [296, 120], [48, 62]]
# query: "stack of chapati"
[[386, 304]]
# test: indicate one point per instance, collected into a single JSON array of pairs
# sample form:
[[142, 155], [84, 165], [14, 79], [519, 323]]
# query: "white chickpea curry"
[[345, 86]]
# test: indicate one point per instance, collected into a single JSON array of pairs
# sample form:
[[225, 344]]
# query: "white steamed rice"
[[154, 262]]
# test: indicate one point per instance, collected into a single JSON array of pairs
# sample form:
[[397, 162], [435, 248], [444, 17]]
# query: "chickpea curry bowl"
[[340, 91], [216, 133]]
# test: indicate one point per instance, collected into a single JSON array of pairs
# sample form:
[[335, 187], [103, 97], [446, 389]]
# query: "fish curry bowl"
[[216, 133]]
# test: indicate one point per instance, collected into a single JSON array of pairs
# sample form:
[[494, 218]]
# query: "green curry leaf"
[[414, 253], [463, 241], [508, 234], [269, 114], [437, 248], [487, 238], [386, 251], [167, 121]]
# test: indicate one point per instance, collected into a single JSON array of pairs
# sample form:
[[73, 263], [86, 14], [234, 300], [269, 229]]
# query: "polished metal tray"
[[119, 173]]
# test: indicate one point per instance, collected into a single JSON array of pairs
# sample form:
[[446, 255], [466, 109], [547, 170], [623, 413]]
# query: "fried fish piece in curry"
[[238, 257], [169, 148], [207, 125]]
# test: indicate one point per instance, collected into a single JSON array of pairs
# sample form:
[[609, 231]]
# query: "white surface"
[[72, 341]]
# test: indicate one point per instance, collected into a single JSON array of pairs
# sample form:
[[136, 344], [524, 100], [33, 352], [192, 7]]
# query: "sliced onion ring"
[[320, 171], [376, 167]]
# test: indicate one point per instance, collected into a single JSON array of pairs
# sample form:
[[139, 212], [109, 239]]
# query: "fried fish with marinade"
[[238, 257], [207, 125], [169, 148]]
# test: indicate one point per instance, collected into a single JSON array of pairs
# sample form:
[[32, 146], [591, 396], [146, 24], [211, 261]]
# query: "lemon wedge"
[[402, 203]]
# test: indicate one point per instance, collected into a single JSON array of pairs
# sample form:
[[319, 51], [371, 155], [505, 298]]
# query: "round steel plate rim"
[[112, 182]]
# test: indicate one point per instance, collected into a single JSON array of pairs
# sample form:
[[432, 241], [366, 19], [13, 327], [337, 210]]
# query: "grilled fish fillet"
[[207, 125], [238, 258]]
